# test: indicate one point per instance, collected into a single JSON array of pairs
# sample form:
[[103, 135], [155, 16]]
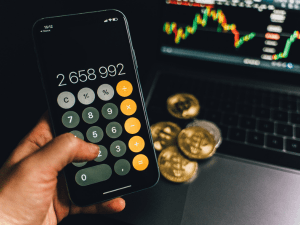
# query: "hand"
[[32, 191]]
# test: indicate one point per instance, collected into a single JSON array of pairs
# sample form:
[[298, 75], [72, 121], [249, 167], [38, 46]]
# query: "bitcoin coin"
[[183, 106], [174, 166], [196, 143], [211, 127], [164, 134]]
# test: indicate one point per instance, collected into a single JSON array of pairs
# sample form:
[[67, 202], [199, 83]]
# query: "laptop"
[[240, 60]]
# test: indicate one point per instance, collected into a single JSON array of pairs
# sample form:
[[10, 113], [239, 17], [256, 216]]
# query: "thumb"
[[61, 151]]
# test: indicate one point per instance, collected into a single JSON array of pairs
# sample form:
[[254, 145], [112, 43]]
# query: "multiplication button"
[[66, 100], [118, 148], [109, 111], [122, 167], [128, 107], [94, 134], [70, 119], [86, 96], [90, 115], [114, 130], [105, 92]]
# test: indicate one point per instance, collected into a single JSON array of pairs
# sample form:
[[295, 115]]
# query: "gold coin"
[[164, 134], [183, 106], [196, 143], [174, 167]]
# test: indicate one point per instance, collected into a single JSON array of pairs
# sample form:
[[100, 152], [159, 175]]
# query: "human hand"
[[32, 191]]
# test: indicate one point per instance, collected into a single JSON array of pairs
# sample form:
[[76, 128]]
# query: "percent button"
[[105, 92]]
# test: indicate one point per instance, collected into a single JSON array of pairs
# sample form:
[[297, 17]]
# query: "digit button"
[[70, 119], [94, 134], [109, 111], [90, 115], [114, 130]]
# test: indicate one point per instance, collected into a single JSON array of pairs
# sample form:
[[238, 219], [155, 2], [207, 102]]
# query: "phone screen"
[[82, 59]]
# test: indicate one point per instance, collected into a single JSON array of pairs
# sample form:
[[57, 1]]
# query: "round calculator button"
[[114, 130], [77, 134], [118, 148], [79, 164], [105, 92], [124, 88], [109, 111], [132, 125], [70, 119], [90, 115], [66, 100], [102, 154], [140, 162], [94, 134], [86, 96], [136, 144], [128, 107], [122, 167]]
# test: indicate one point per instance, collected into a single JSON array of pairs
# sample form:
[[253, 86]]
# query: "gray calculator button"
[[94, 134], [90, 115], [92, 175], [79, 164], [86, 96], [118, 148], [109, 111], [77, 134], [122, 167], [105, 92], [102, 154], [70, 119], [114, 130], [66, 100]]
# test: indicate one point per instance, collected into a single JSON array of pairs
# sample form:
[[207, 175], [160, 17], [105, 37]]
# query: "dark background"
[[22, 97]]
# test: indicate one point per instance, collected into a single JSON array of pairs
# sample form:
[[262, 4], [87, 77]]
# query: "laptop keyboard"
[[248, 116]]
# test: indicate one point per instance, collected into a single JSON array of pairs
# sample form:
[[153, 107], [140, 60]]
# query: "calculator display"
[[89, 72]]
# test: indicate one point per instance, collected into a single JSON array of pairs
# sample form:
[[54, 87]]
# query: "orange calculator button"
[[132, 125], [124, 88], [128, 107], [140, 162], [136, 144]]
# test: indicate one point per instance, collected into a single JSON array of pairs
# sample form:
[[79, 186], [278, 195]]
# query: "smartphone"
[[90, 77]]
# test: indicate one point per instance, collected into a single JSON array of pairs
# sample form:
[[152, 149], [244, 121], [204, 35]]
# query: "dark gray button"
[[118, 148], [90, 115], [77, 134], [94, 134], [79, 164], [70, 119], [122, 167], [86, 96], [109, 111], [92, 175], [66, 100], [102, 154], [114, 130]]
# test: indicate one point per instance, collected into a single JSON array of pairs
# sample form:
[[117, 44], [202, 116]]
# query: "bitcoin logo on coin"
[[183, 106], [196, 143], [174, 167], [164, 134]]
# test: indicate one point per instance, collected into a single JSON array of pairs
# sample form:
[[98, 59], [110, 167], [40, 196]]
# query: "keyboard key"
[[284, 129], [271, 102], [213, 116], [288, 105], [274, 142], [254, 99], [295, 118], [297, 132], [266, 126], [247, 122], [262, 112], [292, 145], [243, 109], [280, 115], [228, 106], [212, 103], [255, 138], [229, 119], [224, 130], [237, 134]]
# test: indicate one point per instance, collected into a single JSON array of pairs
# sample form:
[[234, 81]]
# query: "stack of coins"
[[180, 148]]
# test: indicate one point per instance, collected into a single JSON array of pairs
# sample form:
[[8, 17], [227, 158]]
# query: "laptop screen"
[[257, 33]]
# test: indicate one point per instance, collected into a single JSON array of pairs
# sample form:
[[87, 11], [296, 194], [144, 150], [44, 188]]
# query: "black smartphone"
[[89, 73]]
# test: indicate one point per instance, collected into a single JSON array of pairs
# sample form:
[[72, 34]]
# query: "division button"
[[92, 175], [114, 130], [110, 111], [70, 119], [136, 144], [94, 134], [122, 167], [102, 154], [132, 125], [124, 88], [77, 134], [66, 100], [128, 107], [105, 92], [118, 148], [140, 162], [79, 164], [86, 96], [90, 115]]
